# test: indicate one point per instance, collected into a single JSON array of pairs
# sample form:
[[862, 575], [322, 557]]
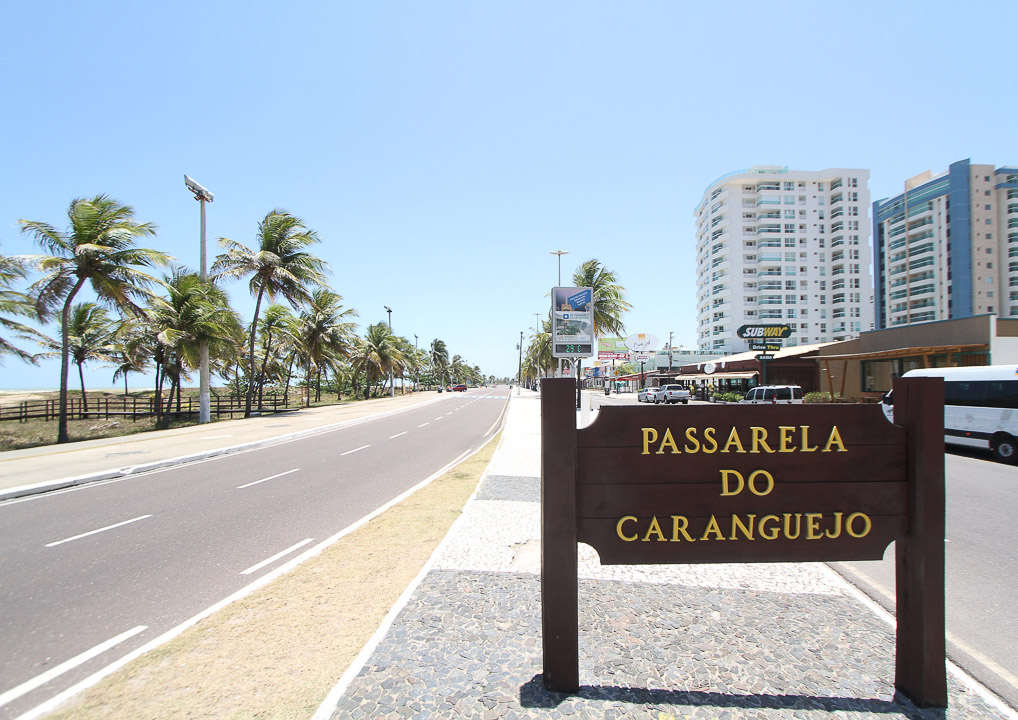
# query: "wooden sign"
[[758, 483]]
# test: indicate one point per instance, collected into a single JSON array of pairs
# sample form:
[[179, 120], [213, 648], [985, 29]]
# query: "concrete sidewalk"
[[24, 472], [788, 640]]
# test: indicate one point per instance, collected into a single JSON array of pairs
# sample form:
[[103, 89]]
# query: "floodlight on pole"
[[204, 411], [392, 380], [560, 253]]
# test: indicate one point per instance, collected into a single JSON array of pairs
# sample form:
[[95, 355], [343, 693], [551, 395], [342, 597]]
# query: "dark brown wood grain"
[[648, 485], [921, 652], [559, 613]]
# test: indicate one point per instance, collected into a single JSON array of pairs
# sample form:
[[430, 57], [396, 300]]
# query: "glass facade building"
[[942, 249]]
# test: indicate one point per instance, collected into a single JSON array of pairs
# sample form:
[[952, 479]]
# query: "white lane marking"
[[215, 437], [422, 425], [269, 561], [355, 449], [271, 477], [438, 418], [40, 680], [256, 584], [397, 435], [93, 532]]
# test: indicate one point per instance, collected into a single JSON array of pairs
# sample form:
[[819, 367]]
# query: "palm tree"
[[277, 323], [457, 369], [16, 304], [133, 347], [609, 297], [98, 249], [377, 355], [609, 302], [279, 266], [91, 335], [439, 360], [195, 311], [326, 333]]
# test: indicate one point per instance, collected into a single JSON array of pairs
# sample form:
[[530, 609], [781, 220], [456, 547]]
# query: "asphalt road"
[[981, 554], [105, 568]]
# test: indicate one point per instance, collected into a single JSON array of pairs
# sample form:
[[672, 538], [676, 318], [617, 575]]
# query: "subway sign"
[[762, 332]]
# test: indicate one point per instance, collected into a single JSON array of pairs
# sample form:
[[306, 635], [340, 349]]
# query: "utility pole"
[[670, 352], [392, 379], [519, 371], [204, 411]]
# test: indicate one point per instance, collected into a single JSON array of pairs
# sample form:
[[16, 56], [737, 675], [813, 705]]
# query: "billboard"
[[612, 348], [572, 322]]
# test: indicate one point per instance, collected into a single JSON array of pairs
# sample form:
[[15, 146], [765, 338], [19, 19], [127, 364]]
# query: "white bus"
[[980, 407]]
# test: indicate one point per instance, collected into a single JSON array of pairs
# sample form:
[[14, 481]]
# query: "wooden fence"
[[107, 408]]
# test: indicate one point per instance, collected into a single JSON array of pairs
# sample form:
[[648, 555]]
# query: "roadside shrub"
[[820, 397], [729, 397]]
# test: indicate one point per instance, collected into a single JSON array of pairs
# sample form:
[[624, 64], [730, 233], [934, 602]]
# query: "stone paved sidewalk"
[[788, 640]]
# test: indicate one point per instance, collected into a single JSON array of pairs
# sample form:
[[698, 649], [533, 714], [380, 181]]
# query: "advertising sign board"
[[572, 322], [612, 348], [764, 332]]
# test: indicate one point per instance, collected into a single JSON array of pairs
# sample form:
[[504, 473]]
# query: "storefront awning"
[[746, 375], [906, 352]]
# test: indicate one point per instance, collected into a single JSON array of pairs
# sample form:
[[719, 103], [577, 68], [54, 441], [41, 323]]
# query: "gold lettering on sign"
[[760, 440], [788, 526]]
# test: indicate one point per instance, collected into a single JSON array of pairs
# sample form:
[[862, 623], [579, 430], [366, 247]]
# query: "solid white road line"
[[40, 680], [397, 435], [269, 561], [256, 584], [272, 477], [355, 450], [93, 532]]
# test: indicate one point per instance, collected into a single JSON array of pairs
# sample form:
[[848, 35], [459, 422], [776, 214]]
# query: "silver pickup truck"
[[670, 394]]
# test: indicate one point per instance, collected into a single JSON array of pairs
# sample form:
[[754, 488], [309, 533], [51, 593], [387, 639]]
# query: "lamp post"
[[392, 380], [519, 372], [560, 253], [204, 412]]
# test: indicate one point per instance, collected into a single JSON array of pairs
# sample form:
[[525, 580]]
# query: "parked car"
[[774, 395], [459, 388], [646, 394], [675, 394]]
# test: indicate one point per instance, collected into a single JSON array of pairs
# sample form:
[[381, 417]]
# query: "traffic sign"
[[764, 356]]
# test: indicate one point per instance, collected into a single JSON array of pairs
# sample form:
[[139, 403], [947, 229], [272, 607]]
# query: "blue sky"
[[443, 149]]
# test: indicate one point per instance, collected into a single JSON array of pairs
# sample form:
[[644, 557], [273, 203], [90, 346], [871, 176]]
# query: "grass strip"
[[278, 652]]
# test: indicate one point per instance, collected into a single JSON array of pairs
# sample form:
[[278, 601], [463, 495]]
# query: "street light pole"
[[392, 380], [560, 253], [204, 411], [519, 372]]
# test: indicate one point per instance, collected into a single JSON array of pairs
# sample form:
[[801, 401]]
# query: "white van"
[[980, 407], [774, 395]]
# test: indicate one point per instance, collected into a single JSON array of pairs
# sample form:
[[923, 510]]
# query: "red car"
[[459, 388]]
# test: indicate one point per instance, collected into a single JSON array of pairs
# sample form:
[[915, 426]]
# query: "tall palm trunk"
[[251, 352], [81, 379], [65, 351], [265, 362]]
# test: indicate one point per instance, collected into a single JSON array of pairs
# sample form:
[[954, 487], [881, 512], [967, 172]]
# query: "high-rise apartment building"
[[958, 255], [775, 245]]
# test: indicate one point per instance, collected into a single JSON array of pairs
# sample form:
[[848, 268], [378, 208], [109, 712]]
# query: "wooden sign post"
[[749, 483]]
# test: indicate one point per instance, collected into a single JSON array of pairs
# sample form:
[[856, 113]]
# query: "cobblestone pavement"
[[710, 642]]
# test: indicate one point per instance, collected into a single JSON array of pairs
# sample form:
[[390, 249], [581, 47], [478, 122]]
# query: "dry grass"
[[278, 652]]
